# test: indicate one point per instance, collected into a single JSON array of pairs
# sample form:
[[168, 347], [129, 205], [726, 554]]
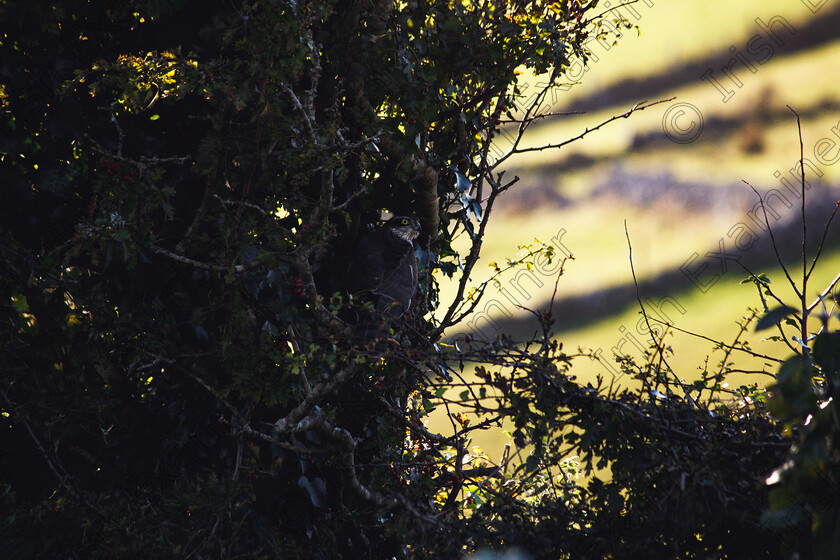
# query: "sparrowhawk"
[[383, 270]]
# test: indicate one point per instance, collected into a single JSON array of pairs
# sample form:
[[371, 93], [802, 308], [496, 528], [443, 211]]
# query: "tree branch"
[[641, 106]]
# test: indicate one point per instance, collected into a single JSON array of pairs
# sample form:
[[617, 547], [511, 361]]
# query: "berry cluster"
[[299, 288], [118, 168]]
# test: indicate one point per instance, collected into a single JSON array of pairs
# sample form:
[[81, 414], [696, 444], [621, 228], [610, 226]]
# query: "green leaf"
[[827, 352], [532, 463], [774, 317], [428, 405]]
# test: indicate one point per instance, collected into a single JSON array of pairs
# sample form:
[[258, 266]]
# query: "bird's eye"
[[404, 221]]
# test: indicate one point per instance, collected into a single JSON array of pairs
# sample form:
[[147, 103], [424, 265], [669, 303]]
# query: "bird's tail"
[[374, 326]]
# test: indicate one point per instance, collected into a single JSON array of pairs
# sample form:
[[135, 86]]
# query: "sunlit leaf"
[[774, 317]]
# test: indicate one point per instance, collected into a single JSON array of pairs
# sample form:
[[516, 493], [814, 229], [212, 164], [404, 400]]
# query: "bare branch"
[[773, 240], [64, 478], [822, 241], [804, 294], [641, 106], [729, 347], [240, 203], [239, 268], [472, 258], [766, 287], [824, 293], [659, 345], [419, 428], [308, 118], [291, 421], [718, 342], [200, 214]]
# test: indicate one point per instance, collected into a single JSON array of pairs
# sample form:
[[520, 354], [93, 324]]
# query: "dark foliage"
[[181, 185]]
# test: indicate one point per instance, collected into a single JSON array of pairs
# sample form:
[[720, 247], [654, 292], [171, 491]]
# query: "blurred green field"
[[715, 314], [749, 137], [675, 33], [802, 80]]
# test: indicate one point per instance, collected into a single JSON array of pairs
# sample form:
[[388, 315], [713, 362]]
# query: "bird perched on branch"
[[383, 271]]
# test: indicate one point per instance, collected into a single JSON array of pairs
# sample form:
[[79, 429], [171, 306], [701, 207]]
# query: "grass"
[[713, 314], [674, 33], [770, 86], [595, 236], [663, 236]]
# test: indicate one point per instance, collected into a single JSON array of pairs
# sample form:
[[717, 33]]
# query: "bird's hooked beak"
[[408, 232]]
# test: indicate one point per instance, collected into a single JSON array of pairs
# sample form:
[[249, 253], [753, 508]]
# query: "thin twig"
[[240, 203], [614, 9], [319, 392], [641, 106], [824, 293], [728, 351], [310, 132], [718, 342], [773, 240], [296, 348], [472, 258], [659, 345], [767, 289], [200, 214], [202, 265], [824, 236], [64, 478], [804, 294]]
